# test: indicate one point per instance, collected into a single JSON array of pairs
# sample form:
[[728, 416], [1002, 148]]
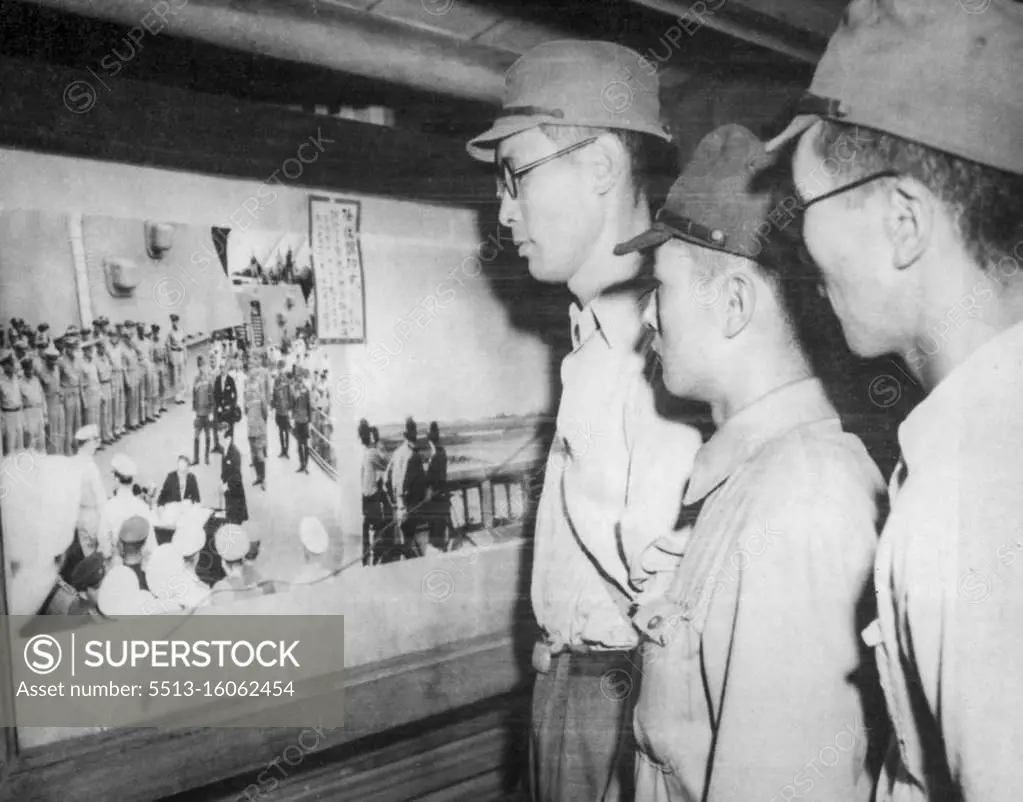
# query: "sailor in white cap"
[[232, 545], [189, 540], [166, 576], [41, 507], [315, 544], [94, 494], [121, 506], [120, 594]]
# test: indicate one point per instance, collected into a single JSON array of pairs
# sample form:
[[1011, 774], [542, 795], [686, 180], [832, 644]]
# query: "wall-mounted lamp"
[[159, 238]]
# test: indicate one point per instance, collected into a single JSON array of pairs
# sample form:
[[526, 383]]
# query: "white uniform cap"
[[232, 543], [164, 567], [123, 464], [40, 497], [189, 539], [118, 592], [88, 432], [313, 535]]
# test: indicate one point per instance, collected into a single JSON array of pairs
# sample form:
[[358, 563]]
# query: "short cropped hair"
[[986, 203], [637, 147]]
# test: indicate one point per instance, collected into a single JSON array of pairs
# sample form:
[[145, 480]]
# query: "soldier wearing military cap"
[[156, 381], [232, 545], [115, 355], [33, 407], [133, 535], [49, 377], [121, 506], [727, 334], [92, 394], [569, 146], [176, 354], [71, 381], [301, 414], [910, 169], [105, 372], [231, 483], [10, 404], [147, 413], [132, 377], [257, 411]]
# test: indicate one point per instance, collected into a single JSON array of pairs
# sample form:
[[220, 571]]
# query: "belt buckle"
[[543, 657]]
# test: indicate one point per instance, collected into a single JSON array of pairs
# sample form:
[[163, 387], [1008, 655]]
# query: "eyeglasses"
[[508, 177], [858, 183]]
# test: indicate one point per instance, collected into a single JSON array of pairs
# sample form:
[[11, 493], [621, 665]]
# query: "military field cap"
[[134, 530], [21, 342], [89, 572], [51, 352], [231, 542], [575, 82], [716, 202], [943, 74], [6, 356]]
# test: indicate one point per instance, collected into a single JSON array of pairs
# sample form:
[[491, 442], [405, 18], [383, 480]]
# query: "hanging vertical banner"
[[337, 270]]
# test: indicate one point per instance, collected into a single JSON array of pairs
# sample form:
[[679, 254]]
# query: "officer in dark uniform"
[[225, 399]]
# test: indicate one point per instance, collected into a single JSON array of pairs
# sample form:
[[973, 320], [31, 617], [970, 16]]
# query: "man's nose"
[[650, 316], [509, 211]]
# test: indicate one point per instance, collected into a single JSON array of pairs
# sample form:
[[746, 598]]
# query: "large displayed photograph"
[[163, 391]]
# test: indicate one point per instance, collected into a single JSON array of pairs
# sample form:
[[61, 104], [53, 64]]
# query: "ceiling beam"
[[741, 20], [327, 35]]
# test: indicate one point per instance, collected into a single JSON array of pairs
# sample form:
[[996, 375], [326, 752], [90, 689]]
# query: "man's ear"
[[608, 163], [740, 300], [909, 220]]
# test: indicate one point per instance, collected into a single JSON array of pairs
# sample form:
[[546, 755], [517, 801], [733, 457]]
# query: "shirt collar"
[[931, 425], [745, 433], [615, 317]]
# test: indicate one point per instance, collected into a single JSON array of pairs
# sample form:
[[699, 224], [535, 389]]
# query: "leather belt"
[[589, 660], [16, 409]]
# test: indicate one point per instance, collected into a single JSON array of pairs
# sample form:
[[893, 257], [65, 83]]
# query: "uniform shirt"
[[301, 403], [764, 604], [202, 396], [94, 497], [374, 464], [614, 479], [950, 587], [175, 340], [282, 395], [116, 355], [119, 508], [405, 475], [49, 377], [256, 411], [31, 392], [70, 373], [103, 368], [130, 360], [90, 376], [10, 393]]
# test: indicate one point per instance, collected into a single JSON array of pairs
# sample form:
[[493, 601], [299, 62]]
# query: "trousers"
[[581, 743]]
